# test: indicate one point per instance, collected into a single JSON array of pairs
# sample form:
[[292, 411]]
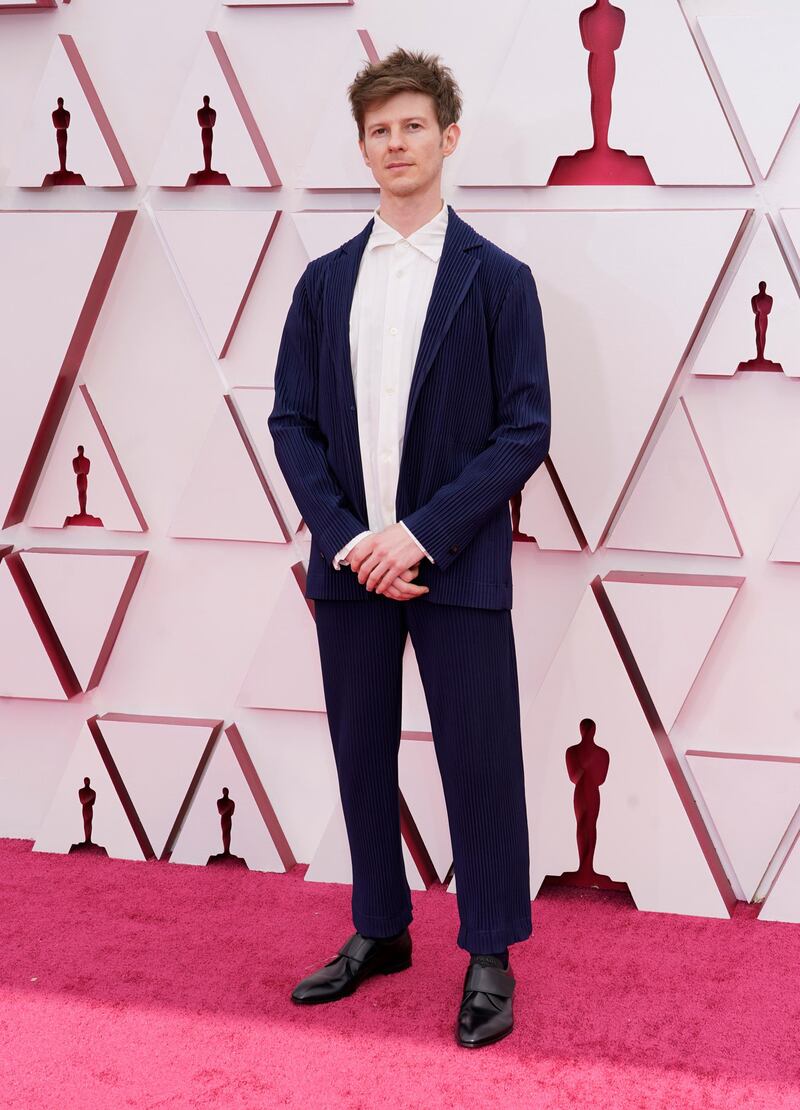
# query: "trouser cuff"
[[493, 940], [381, 926]]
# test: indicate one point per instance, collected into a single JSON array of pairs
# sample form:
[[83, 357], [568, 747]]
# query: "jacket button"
[[321, 555], [454, 549]]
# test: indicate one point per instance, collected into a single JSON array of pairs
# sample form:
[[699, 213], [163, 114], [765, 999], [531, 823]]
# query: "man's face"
[[402, 143]]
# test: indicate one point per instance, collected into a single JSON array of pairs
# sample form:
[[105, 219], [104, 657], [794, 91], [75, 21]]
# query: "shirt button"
[[392, 331], [390, 389]]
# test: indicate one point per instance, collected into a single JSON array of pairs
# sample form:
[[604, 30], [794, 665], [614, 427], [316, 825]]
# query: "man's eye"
[[379, 129]]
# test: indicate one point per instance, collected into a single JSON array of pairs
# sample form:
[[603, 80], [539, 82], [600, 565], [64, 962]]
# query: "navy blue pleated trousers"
[[467, 662]]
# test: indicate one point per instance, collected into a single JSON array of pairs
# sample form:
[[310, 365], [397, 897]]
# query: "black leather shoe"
[[358, 958], [486, 1012]]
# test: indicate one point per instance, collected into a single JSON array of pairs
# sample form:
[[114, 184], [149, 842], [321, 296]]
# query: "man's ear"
[[453, 131]]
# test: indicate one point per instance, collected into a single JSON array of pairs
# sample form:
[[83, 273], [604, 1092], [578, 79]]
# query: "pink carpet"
[[159, 985]]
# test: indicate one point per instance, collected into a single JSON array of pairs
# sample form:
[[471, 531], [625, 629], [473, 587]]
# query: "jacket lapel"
[[457, 265], [342, 284]]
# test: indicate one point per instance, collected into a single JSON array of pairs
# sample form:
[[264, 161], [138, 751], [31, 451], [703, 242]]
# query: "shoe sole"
[[488, 1040], [354, 984]]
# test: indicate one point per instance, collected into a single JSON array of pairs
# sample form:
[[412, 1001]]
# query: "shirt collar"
[[429, 238]]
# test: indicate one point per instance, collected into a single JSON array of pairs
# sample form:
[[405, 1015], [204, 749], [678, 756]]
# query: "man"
[[411, 403]]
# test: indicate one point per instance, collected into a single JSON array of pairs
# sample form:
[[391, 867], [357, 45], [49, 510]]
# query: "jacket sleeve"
[[518, 444], [300, 446]]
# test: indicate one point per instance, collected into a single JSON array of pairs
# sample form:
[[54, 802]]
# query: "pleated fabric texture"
[[467, 662], [477, 420]]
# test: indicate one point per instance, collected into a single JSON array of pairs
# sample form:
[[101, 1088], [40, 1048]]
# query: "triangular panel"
[[751, 800], [731, 339], [238, 150], [787, 545], [645, 837], [254, 404], [226, 496], [59, 251], [285, 672], [542, 515], [93, 150], [159, 761], [756, 56], [664, 108], [321, 232], [63, 823], [200, 834], [748, 430], [334, 160], [218, 255], [109, 498], [86, 595], [670, 626], [675, 504], [783, 900], [26, 670], [603, 279]]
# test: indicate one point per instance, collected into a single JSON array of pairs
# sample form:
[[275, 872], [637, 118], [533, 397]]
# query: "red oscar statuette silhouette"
[[225, 808], [80, 464], [601, 27], [207, 117], [515, 505], [62, 176], [761, 304], [87, 796], [587, 766]]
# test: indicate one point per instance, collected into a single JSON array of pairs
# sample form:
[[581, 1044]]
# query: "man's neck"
[[407, 214]]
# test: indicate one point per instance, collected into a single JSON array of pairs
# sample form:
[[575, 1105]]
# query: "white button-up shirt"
[[390, 302]]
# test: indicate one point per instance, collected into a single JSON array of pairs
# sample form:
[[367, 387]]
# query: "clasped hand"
[[386, 562]]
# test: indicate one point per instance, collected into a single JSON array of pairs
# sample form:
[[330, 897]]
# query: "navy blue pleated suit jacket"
[[477, 422]]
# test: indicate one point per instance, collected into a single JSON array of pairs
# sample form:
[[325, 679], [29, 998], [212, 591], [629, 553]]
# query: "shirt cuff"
[[340, 555], [416, 541]]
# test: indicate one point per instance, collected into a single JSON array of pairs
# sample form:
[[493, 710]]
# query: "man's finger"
[[404, 591], [383, 574], [366, 568], [397, 589]]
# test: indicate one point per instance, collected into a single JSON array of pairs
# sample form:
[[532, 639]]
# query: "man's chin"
[[400, 187]]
